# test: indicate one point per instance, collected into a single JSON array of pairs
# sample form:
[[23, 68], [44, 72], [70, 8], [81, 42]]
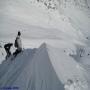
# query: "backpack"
[[16, 43]]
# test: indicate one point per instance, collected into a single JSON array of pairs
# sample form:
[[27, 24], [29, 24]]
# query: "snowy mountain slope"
[[81, 25], [64, 64], [33, 77], [64, 26], [68, 22], [78, 13], [83, 58], [40, 73], [36, 21], [44, 71], [10, 67], [7, 63], [16, 14]]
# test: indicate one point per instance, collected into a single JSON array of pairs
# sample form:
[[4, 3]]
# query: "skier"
[[7, 49], [18, 44]]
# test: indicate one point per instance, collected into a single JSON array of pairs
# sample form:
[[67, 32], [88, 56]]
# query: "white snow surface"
[[65, 26], [45, 68], [66, 30]]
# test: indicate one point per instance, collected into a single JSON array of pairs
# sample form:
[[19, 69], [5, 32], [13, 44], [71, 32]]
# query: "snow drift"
[[45, 68]]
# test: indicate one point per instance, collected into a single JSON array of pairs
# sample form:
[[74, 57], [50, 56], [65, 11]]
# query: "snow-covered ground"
[[68, 23], [62, 24], [44, 68]]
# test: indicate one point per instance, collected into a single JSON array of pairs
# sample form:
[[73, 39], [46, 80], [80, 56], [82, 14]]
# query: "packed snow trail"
[[9, 67], [45, 68], [35, 74]]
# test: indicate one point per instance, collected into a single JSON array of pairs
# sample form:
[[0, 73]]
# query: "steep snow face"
[[22, 14], [45, 68], [65, 66], [56, 15], [61, 23], [30, 71], [38, 19], [78, 12]]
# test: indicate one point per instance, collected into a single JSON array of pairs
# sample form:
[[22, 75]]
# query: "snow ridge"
[[40, 69]]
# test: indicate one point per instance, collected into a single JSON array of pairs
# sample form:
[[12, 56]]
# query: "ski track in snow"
[[44, 68]]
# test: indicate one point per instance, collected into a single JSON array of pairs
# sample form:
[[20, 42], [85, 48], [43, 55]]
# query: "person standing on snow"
[[18, 44]]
